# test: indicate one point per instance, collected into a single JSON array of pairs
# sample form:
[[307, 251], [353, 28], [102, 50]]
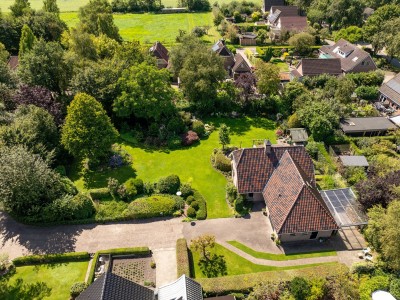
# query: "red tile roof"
[[293, 201], [159, 51], [254, 166]]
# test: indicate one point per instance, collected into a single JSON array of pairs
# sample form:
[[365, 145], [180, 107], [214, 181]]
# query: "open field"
[[234, 264], [58, 276], [73, 5], [148, 28], [191, 164]]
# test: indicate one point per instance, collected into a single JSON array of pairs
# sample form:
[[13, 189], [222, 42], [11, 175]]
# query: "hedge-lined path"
[[254, 231]]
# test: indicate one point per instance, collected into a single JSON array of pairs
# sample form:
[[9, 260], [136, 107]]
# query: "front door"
[[313, 235]]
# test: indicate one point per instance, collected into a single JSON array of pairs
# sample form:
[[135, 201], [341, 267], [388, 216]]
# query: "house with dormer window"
[[352, 58]]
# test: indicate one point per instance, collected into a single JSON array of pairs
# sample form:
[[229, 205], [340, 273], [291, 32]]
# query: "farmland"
[[73, 5], [148, 28]]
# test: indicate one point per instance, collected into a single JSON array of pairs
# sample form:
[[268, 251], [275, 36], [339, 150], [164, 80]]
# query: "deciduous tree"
[[204, 244], [267, 78], [88, 131], [51, 6], [224, 135]]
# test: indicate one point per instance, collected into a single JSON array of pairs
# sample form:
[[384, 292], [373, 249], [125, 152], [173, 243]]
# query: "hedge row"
[[201, 213], [50, 258], [152, 206], [245, 283], [98, 194], [260, 50], [116, 251], [182, 258]]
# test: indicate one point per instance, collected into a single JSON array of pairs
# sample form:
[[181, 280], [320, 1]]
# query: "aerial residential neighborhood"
[[190, 150]]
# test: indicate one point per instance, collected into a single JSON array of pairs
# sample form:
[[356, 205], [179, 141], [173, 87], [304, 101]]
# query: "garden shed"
[[298, 136], [353, 161]]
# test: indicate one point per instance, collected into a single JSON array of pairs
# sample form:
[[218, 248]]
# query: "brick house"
[[316, 66], [161, 54], [283, 177]]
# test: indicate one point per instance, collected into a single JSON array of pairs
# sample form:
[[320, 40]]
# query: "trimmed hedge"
[[50, 258], [182, 258], [169, 184], [201, 213], [153, 206], [115, 251], [98, 194], [245, 283]]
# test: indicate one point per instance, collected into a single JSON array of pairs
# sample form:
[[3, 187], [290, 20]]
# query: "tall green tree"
[[224, 135], [20, 7], [96, 18], [27, 40], [34, 128], [26, 181], [145, 93], [302, 42], [51, 6], [267, 76], [45, 66], [87, 131], [200, 76], [343, 13]]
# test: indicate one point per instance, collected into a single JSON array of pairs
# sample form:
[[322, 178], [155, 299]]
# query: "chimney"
[[267, 147]]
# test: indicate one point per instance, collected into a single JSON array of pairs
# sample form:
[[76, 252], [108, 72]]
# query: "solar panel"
[[344, 207]]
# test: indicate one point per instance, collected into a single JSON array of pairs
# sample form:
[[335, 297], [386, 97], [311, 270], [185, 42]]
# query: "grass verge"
[[280, 257], [226, 263]]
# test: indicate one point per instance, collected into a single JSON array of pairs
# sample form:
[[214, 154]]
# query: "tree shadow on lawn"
[[240, 126], [214, 266], [24, 291], [99, 178], [40, 240]]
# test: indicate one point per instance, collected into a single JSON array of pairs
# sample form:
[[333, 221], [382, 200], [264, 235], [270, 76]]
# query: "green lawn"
[[279, 257], [235, 264], [59, 277], [191, 164], [73, 5], [148, 28]]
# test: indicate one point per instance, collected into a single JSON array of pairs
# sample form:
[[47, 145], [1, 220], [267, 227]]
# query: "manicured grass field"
[[279, 257], [148, 28], [235, 264], [191, 164], [59, 277], [73, 5]]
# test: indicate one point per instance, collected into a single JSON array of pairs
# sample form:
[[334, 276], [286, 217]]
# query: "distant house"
[[352, 58], [283, 177], [13, 62], [233, 64], [248, 39], [174, 10], [298, 136], [366, 126], [353, 161], [240, 66], [161, 53], [110, 286], [316, 66], [285, 18], [281, 11], [390, 91], [267, 4]]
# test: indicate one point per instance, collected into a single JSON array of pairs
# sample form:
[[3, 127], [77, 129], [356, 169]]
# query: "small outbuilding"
[[353, 161], [248, 39], [366, 126], [390, 92], [298, 136]]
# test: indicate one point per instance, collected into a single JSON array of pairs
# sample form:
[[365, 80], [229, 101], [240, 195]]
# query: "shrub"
[[300, 288], [221, 162], [191, 212], [195, 205], [153, 206], [371, 284], [363, 268], [3, 261], [100, 193], [198, 127], [136, 185], [312, 149], [122, 193], [182, 258], [148, 188], [130, 188], [77, 288], [367, 92], [169, 184], [239, 203], [83, 206], [50, 258], [186, 190], [395, 288], [68, 186], [189, 138], [231, 192], [174, 142], [189, 200], [201, 213], [113, 185]]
